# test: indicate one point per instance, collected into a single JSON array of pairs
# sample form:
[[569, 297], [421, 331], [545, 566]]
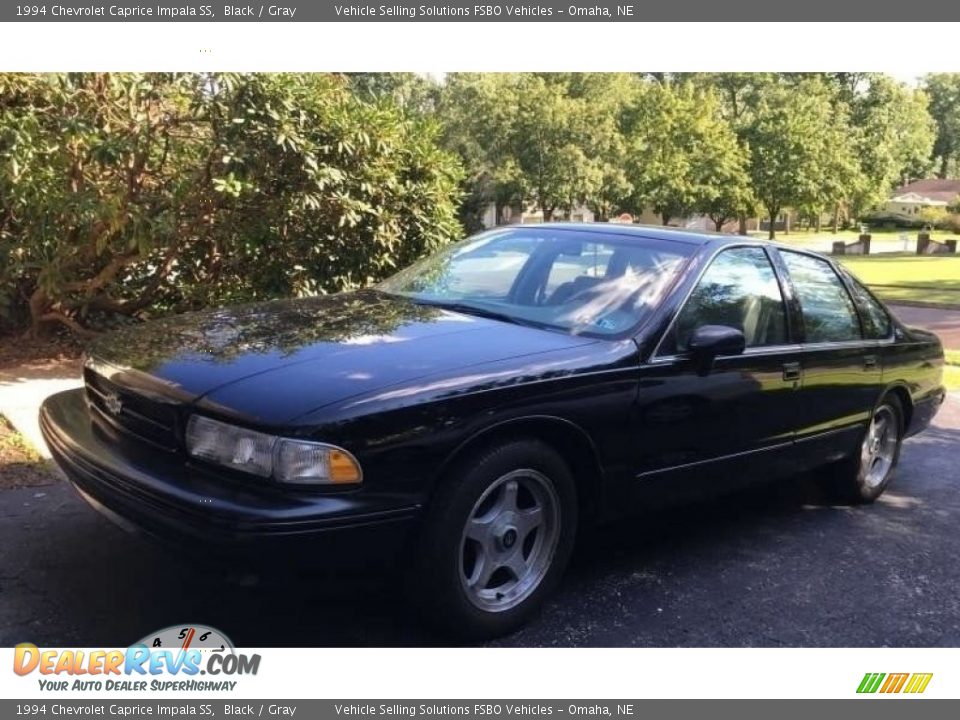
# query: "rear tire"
[[862, 478], [496, 540]]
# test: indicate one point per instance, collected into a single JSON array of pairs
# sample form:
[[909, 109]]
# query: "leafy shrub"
[[893, 220], [125, 194]]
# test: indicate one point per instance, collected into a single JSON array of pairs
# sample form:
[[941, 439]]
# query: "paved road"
[[945, 323], [767, 568]]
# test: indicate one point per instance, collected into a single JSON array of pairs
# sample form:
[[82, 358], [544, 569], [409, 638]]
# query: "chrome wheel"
[[879, 447], [509, 540]]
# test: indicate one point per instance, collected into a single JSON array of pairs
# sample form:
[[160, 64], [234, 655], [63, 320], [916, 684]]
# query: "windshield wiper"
[[486, 313], [473, 310]]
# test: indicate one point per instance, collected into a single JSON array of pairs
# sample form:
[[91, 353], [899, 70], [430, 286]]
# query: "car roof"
[[660, 232], [655, 232]]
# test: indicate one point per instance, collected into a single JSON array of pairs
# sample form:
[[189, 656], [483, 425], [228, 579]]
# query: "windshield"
[[578, 281]]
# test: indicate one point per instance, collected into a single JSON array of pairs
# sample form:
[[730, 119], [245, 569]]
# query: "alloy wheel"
[[509, 540], [879, 447]]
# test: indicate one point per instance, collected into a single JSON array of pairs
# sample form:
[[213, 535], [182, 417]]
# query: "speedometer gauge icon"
[[189, 636]]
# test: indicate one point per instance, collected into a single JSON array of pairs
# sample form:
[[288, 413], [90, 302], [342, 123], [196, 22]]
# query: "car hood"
[[273, 362]]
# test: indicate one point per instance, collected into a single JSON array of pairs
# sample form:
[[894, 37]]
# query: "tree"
[[801, 154], [732, 197], [684, 157], [97, 187], [412, 92], [943, 90], [130, 193], [551, 145], [551, 139], [894, 136], [607, 96], [477, 112], [737, 92]]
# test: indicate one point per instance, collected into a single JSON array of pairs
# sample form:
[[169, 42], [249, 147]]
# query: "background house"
[[911, 199]]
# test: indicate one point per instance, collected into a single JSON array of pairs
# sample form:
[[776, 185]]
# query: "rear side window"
[[828, 311], [876, 322], [739, 290]]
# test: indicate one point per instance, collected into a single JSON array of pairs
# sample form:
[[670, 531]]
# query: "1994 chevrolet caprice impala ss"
[[475, 408]]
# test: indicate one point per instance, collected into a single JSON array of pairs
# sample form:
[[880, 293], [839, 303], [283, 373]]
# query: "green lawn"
[[917, 278], [951, 371], [951, 377]]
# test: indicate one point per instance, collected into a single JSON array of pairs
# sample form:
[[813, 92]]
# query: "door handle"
[[870, 362], [791, 371]]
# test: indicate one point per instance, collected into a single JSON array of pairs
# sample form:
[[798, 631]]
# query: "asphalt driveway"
[[944, 322], [770, 567]]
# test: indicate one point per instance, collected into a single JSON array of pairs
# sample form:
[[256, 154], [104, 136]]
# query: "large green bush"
[[128, 194]]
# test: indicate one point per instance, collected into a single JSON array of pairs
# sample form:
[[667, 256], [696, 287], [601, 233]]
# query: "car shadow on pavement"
[[775, 565], [770, 566]]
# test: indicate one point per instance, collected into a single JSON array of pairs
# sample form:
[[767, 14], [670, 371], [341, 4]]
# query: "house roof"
[[912, 197], [936, 189]]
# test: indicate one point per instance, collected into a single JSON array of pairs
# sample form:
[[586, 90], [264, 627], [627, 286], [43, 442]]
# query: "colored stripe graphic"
[[870, 682], [894, 683], [918, 682]]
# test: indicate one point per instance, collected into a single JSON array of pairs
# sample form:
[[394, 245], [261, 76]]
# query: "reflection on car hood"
[[273, 362]]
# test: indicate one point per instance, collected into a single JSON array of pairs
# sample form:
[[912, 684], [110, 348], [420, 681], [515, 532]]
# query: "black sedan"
[[470, 412]]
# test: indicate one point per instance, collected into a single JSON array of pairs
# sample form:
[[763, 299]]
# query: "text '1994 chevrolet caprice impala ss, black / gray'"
[[471, 411]]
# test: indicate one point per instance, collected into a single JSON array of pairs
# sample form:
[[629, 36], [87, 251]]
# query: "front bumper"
[[161, 494]]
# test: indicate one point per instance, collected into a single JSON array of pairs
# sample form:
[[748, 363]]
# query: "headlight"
[[288, 461], [231, 446]]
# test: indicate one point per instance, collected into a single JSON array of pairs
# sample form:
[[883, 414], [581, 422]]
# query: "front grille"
[[150, 420]]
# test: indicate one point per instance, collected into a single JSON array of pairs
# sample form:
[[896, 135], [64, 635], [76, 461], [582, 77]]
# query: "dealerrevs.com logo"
[[889, 683], [171, 659]]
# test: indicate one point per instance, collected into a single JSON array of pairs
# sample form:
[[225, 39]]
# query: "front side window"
[[876, 321], [828, 311], [576, 281], [739, 290]]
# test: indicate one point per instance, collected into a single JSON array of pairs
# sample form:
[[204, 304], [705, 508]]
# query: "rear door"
[[842, 369]]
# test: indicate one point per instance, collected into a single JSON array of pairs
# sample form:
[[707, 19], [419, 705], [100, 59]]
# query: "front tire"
[[864, 477], [496, 540]]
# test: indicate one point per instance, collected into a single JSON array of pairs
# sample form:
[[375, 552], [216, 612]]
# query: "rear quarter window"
[[876, 321]]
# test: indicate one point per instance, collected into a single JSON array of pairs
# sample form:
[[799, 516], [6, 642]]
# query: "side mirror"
[[709, 341]]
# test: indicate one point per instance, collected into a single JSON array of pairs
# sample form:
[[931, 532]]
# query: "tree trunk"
[[666, 218], [819, 220], [718, 224], [773, 212], [42, 315], [786, 223], [944, 166], [743, 224], [38, 308], [836, 219], [547, 214]]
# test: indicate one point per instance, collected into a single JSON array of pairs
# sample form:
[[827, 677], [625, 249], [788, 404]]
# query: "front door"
[[734, 424]]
